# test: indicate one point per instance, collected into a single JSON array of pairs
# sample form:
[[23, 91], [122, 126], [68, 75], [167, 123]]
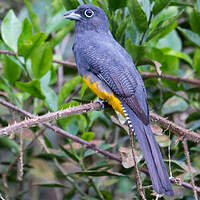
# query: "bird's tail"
[[157, 169]]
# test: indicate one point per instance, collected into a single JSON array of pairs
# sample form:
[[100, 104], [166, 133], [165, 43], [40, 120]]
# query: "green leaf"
[[174, 104], [82, 123], [32, 87], [171, 40], [194, 18], [160, 5], [51, 156], [56, 6], [27, 46], [119, 4], [138, 15], [54, 185], [68, 105], [163, 140], [70, 124], [11, 68], [135, 51], [70, 154], [10, 30], [141, 53], [197, 149], [191, 36], [98, 173], [83, 89], [170, 65], [47, 141], [194, 125], [88, 136], [197, 4], [5, 86], [120, 30], [8, 143], [58, 37], [163, 16], [193, 116], [91, 152], [182, 4], [50, 98], [67, 88], [70, 4], [197, 61], [178, 54], [25, 37], [154, 53], [41, 59], [33, 17], [164, 28], [93, 116], [184, 166], [56, 22]]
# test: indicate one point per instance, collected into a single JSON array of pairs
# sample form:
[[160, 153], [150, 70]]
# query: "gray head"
[[89, 18]]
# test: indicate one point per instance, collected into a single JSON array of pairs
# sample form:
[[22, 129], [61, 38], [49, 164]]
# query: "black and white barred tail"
[[128, 119], [157, 169]]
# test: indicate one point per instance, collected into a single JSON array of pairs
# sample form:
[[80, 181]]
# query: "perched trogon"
[[109, 72]]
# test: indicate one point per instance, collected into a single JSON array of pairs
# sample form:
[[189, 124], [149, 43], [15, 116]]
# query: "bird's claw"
[[101, 102]]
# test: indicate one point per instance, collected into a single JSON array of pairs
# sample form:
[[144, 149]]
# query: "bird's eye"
[[89, 13]]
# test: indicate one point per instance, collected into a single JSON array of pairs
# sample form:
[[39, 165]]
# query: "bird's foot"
[[102, 103]]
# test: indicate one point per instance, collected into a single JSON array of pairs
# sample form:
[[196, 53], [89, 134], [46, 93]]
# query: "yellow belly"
[[109, 97]]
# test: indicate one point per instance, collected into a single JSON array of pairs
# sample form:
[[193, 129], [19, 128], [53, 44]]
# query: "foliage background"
[[159, 35]]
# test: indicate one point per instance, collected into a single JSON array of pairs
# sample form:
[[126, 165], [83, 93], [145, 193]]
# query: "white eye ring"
[[89, 13]]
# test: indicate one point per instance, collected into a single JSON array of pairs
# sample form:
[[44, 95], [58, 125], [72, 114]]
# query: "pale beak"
[[71, 14]]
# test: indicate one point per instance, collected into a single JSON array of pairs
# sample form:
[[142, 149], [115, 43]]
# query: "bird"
[[109, 71]]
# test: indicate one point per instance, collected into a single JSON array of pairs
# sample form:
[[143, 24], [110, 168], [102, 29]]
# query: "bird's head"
[[89, 18]]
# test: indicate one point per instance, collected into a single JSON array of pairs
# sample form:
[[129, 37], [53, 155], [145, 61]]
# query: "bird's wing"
[[120, 75]]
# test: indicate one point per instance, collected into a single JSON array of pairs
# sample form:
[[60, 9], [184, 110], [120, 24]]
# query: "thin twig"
[[83, 142], [65, 63], [144, 74], [187, 155], [138, 178], [169, 156], [9, 53], [60, 78], [21, 155]]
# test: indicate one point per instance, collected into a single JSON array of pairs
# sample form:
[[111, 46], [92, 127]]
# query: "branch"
[[191, 135], [83, 142], [64, 133], [144, 74], [35, 120], [65, 63], [170, 77]]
